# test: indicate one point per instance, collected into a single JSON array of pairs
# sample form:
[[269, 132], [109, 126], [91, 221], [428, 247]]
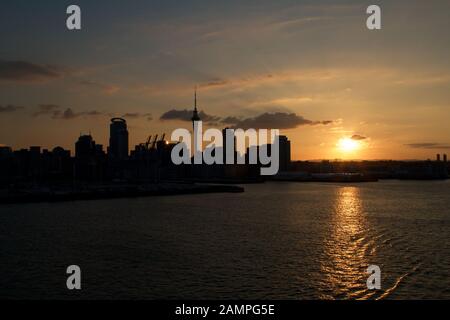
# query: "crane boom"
[[154, 141], [147, 143]]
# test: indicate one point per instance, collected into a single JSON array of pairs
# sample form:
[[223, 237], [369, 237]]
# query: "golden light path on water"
[[347, 248]]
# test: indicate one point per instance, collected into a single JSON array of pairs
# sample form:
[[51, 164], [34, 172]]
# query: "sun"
[[348, 145]]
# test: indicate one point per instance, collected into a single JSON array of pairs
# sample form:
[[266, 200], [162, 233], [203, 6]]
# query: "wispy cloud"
[[58, 112], [46, 109], [429, 145], [10, 108], [55, 111], [137, 115], [358, 137], [23, 71]]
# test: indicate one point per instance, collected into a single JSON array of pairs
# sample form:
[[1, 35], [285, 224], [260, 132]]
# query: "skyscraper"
[[118, 139], [89, 159], [285, 153], [85, 146]]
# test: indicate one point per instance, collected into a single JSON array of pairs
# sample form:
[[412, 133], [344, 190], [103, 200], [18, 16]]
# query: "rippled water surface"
[[275, 241]]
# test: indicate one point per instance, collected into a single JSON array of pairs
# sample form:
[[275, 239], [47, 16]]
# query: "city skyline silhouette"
[[314, 71]]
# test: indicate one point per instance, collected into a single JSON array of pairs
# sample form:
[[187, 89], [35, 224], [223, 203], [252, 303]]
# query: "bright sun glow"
[[348, 145]]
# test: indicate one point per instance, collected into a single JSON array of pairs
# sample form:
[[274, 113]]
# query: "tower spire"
[[195, 116], [195, 98]]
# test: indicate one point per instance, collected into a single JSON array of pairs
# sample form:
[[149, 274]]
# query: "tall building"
[[89, 159], [118, 139], [85, 146], [285, 153], [224, 146]]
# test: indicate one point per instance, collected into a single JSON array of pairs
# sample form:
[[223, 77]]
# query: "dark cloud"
[[131, 115], [22, 71], [93, 113], [186, 115], [46, 109], [429, 145], [136, 115], [68, 114], [275, 120], [58, 112], [183, 115], [358, 137], [9, 108], [230, 120], [207, 117]]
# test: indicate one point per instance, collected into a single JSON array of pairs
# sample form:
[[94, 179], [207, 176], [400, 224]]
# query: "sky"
[[309, 68]]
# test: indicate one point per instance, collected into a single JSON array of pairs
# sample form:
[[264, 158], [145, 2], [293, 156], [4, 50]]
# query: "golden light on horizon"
[[348, 145]]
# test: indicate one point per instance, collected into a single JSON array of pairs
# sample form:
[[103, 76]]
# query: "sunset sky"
[[309, 68]]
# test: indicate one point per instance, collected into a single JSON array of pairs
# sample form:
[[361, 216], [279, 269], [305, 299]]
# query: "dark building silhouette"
[[5, 151], [85, 146], [285, 153], [60, 164], [6, 165], [380, 169], [224, 146], [35, 166], [90, 160], [152, 161], [118, 139]]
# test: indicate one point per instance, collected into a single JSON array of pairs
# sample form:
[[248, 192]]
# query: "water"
[[275, 241]]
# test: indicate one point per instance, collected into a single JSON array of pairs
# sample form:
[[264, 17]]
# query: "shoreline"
[[115, 192]]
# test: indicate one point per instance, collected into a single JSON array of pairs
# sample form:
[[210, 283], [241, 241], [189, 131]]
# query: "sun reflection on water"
[[346, 247]]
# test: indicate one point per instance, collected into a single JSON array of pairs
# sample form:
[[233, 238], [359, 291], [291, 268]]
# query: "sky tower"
[[195, 116]]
